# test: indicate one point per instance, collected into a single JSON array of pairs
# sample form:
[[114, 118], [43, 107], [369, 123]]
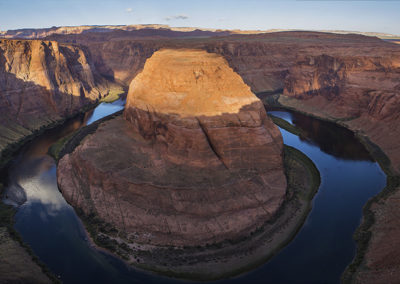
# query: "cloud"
[[128, 10], [176, 17]]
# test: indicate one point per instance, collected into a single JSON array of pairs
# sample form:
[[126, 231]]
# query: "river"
[[318, 254]]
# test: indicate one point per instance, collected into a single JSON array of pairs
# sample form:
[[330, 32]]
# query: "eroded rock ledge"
[[41, 84], [196, 159]]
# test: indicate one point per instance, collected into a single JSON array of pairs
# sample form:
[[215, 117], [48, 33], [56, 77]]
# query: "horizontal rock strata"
[[200, 169], [42, 82]]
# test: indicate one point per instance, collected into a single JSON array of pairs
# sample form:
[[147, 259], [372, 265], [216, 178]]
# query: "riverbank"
[[286, 125], [369, 233], [15, 142], [219, 260], [19, 264], [67, 144], [17, 261]]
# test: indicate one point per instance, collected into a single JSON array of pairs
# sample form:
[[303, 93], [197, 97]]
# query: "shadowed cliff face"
[[361, 85], [177, 174], [263, 60], [348, 77], [338, 76], [42, 82], [362, 91]]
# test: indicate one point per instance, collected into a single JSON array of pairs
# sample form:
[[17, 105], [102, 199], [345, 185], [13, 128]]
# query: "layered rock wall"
[[362, 91], [195, 161], [263, 60], [42, 82]]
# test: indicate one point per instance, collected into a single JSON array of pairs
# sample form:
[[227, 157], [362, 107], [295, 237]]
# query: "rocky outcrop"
[[16, 264], [351, 79], [381, 261], [364, 91], [262, 60], [42, 82], [195, 161]]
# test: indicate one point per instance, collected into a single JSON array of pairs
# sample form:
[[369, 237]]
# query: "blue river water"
[[318, 254]]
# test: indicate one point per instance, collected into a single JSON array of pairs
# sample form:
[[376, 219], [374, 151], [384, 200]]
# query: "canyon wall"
[[42, 82], [361, 91], [351, 79], [262, 60], [195, 161]]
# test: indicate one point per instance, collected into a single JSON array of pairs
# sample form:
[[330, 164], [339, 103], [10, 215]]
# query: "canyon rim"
[[194, 168]]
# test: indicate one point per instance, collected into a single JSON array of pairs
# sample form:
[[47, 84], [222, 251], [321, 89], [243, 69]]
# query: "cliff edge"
[[194, 160]]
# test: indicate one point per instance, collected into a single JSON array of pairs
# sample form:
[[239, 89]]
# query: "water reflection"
[[331, 139], [24, 175], [46, 221], [318, 254]]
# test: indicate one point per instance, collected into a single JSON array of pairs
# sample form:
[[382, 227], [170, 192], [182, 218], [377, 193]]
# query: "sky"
[[353, 15]]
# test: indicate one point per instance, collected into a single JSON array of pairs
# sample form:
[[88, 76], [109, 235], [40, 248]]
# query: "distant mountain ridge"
[[32, 33]]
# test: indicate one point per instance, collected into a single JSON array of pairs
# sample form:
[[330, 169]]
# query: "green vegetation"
[[57, 147], [303, 183], [103, 234], [377, 153], [113, 95], [16, 137], [7, 213], [18, 140], [68, 143], [19, 136], [363, 233], [286, 125], [298, 166]]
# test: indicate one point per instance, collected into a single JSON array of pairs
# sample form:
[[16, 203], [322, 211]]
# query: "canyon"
[[353, 80], [41, 83], [185, 167], [193, 169]]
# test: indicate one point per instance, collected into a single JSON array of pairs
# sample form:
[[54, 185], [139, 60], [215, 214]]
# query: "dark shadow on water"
[[328, 136], [318, 254]]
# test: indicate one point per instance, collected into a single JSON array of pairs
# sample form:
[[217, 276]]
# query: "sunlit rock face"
[[187, 99], [193, 160], [42, 82], [188, 82]]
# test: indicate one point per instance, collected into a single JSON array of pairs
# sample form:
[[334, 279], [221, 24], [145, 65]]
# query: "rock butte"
[[361, 71], [189, 82], [165, 176]]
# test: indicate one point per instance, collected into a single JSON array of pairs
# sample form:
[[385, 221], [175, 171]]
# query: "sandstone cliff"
[[196, 159], [42, 82], [348, 78], [262, 60], [363, 91]]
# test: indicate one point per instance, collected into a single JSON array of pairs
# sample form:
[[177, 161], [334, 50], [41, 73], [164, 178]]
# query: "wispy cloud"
[[128, 10], [176, 17]]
